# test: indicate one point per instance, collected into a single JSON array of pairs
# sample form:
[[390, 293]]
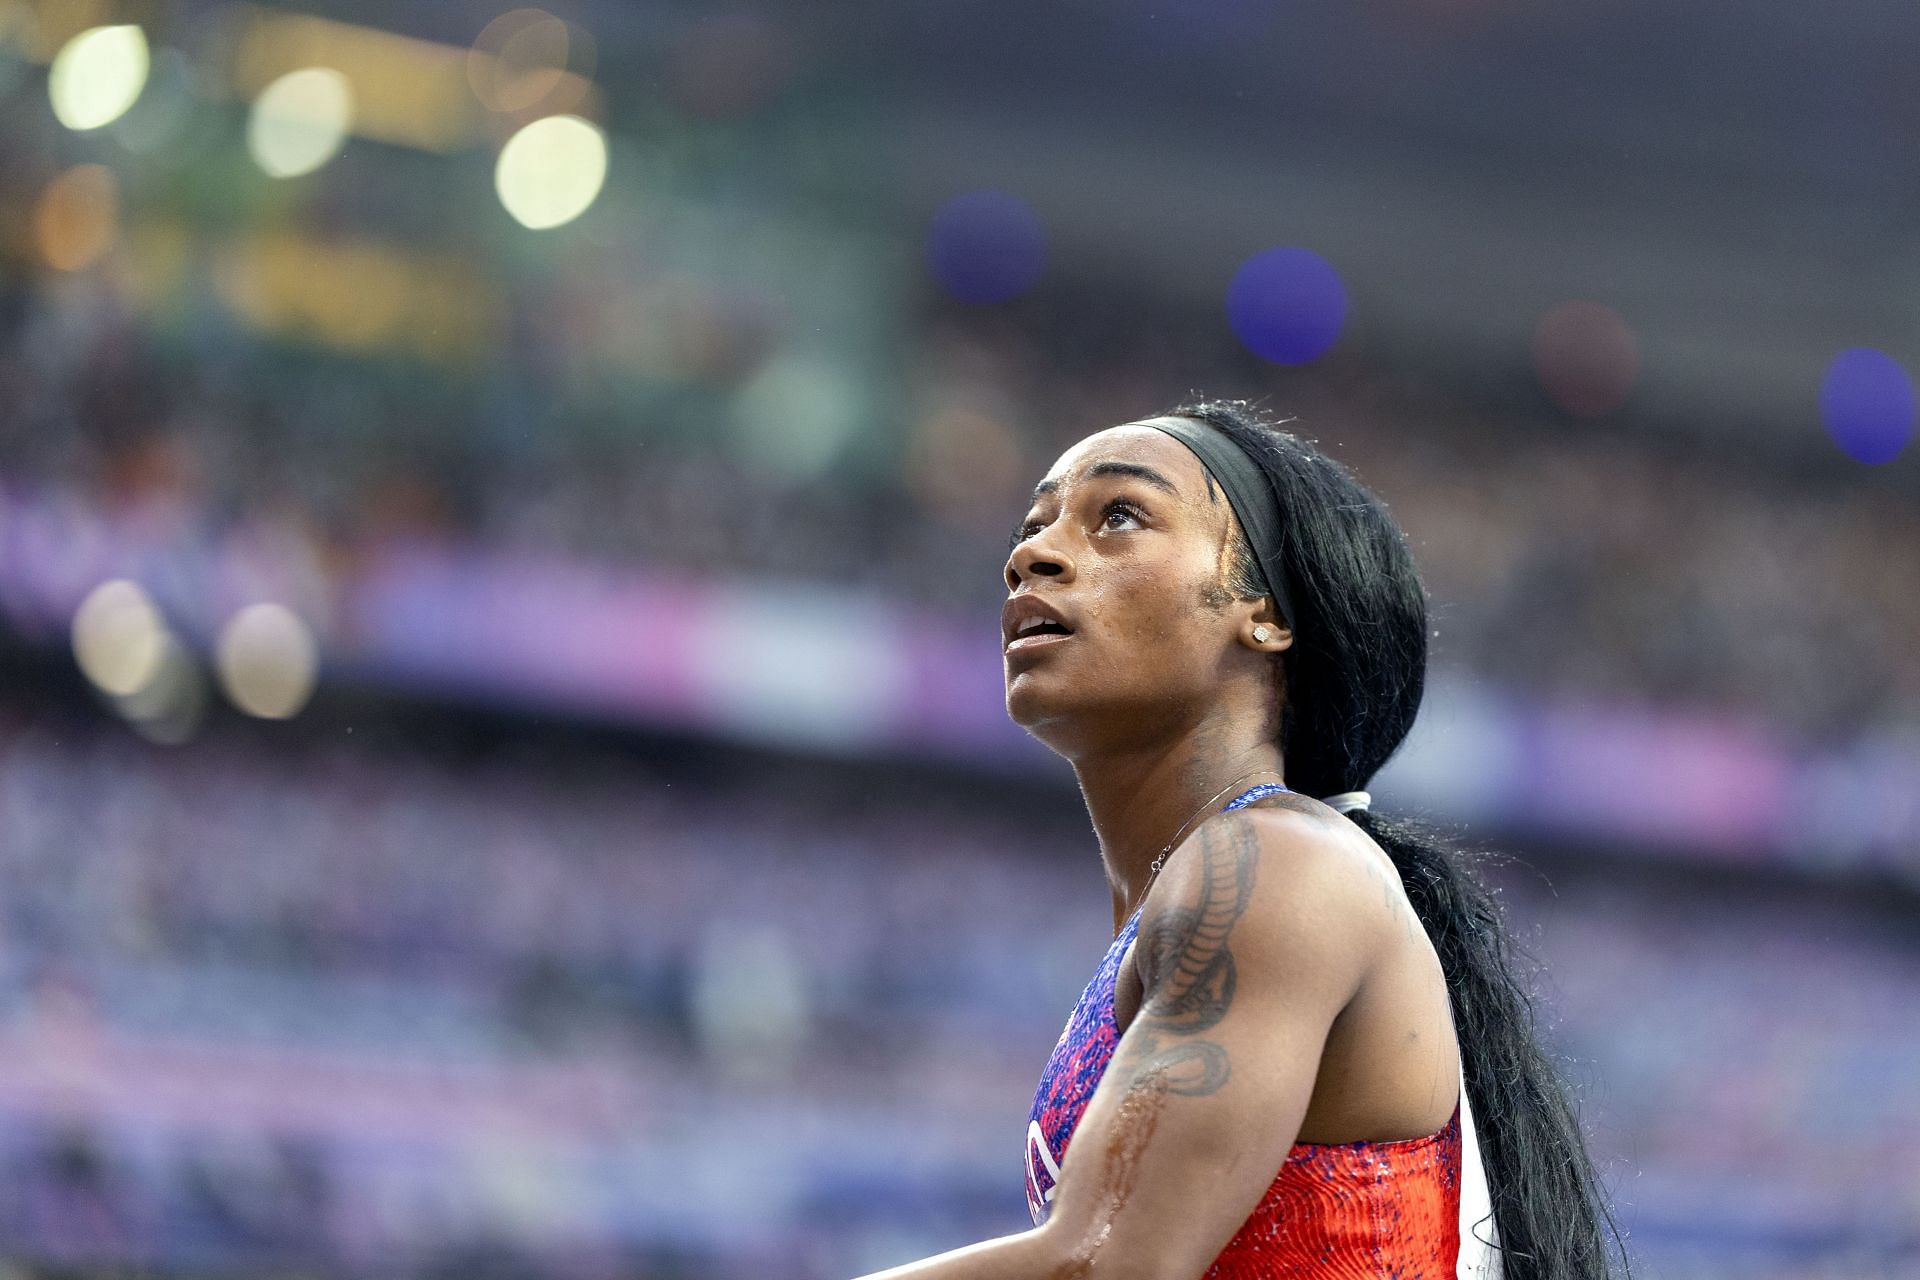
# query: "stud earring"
[[1261, 635]]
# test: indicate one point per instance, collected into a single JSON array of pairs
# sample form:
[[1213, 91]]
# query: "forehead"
[[1133, 445]]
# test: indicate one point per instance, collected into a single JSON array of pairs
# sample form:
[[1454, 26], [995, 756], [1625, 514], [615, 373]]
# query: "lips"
[[1020, 644], [1029, 622]]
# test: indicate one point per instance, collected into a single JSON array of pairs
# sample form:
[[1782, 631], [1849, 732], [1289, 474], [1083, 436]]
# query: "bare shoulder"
[[1298, 846], [1316, 830], [1288, 885]]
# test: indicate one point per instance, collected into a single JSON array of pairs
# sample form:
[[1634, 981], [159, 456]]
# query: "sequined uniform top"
[[1355, 1209]]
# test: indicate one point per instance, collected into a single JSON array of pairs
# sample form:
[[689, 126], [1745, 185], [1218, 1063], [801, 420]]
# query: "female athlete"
[[1278, 1068]]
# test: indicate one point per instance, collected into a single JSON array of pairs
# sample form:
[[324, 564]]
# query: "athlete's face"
[[1128, 544]]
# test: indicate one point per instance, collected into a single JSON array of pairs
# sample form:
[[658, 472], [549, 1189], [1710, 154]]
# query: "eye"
[[1119, 507]]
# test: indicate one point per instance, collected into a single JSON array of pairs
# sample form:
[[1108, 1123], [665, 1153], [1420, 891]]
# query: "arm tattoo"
[[1188, 972], [1188, 976]]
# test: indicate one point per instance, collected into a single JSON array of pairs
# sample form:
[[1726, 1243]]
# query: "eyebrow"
[[1132, 470]]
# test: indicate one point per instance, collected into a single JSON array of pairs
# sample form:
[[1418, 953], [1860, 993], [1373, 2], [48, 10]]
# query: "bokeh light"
[[1586, 357], [551, 171], [168, 105], [1287, 305], [963, 463], [794, 417], [523, 57], [119, 637], [986, 246], [77, 217], [97, 75], [168, 708], [267, 661], [300, 121], [1867, 403]]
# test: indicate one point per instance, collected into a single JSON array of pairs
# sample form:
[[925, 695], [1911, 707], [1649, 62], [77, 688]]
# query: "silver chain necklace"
[[1153, 872]]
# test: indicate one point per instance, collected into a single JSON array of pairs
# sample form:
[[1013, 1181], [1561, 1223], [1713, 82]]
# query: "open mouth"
[[1035, 632]]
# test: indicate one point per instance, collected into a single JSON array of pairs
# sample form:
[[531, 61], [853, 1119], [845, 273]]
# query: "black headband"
[[1248, 492]]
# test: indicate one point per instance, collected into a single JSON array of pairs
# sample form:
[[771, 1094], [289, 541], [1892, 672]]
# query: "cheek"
[[1153, 610]]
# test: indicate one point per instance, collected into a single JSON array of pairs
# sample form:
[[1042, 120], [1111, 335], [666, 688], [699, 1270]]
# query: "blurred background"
[[502, 763]]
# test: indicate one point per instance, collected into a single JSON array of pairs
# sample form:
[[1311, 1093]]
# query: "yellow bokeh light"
[[77, 217], [412, 93], [267, 661], [97, 75], [119, 637], [300, 121], [550, 171]]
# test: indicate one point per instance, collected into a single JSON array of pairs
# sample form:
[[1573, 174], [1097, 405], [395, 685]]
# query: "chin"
[[1026, 705], [1036, 708], [1049, 710]]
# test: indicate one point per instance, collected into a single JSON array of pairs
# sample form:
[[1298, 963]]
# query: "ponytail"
[[1547, 1202]]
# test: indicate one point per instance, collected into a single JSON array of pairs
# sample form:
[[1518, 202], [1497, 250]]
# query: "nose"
[[1036, 558]]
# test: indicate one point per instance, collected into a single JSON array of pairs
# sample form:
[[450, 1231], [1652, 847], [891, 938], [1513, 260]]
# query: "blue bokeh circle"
[[986, 246], [1867, 403], [1287, 305]]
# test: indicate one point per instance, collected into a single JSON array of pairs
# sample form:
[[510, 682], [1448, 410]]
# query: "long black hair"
[[1353, 679]]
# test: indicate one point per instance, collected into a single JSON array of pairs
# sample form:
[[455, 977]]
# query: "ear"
[[1263, 630]]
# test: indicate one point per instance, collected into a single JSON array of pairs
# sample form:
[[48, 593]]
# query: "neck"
[[1141, 798]]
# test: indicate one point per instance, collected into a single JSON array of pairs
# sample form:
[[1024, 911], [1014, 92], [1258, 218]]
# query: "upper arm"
[[1252, 942]]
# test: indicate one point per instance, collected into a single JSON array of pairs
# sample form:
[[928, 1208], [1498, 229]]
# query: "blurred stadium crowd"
[[292, 1000], [1603, 562], [366, 1006]]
